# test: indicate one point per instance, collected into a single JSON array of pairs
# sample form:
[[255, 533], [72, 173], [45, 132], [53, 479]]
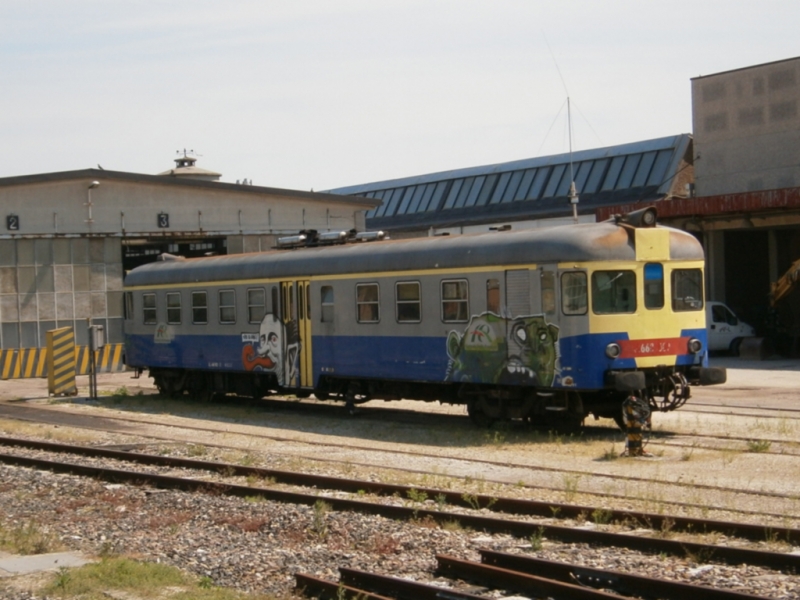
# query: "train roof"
[[570, 243]]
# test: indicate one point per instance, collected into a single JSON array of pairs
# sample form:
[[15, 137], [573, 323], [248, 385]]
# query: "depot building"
[[68, 238]]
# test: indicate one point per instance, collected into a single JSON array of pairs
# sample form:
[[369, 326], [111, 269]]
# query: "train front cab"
[[646, 336]]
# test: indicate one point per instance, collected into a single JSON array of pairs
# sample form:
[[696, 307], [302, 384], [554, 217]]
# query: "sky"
[[319, 94]]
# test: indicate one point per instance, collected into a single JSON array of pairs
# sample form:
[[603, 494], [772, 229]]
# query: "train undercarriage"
[[659, 389]]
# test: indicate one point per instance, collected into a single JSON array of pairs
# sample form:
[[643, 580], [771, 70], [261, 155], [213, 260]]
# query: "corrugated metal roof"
[[534, 187]]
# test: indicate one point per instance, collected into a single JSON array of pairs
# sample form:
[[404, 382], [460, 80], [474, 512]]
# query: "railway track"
[[724, 443], [658, 542], [553, 510], [43, 414], [509, 573], [775, 409], [757, 412]]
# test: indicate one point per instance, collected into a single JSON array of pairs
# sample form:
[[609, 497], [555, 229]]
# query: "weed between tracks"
[[758, 445]]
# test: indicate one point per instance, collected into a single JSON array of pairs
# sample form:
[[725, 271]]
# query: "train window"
[[687, 289], [493, 296], [613, 292], [654, 285], [409, 309], [573, 293], [174, 308], [368, 303], [326, 301], [548, 292], [256, 305], [227, 306], [128, 305], [199, 308], [455, 301], [149, 309]]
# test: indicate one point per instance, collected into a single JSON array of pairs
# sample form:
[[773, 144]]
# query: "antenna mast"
[[573, 193]]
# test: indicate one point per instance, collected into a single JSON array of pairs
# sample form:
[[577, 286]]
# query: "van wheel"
[[734, 347]]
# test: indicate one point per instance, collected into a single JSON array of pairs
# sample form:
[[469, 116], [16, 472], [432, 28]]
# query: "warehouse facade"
[[67, 239]]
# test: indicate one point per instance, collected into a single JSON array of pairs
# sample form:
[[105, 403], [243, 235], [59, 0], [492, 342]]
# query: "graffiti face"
[[276, 350], [532, 349], [269, 339], [493, 349], [267, 355]]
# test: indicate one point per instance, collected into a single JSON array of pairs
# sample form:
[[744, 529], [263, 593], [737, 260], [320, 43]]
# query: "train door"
[[294, 310]]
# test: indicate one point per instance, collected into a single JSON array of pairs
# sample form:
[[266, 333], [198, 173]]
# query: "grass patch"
[[319, 521], [602, 516], [536, 539], [758, 446], [610, 454], [28, 538], [140, 579], [454, 526], [196, 450], [46, 432]]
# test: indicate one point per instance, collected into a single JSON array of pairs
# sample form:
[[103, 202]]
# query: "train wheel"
[[354, 396], [170, 383], [205, 395], [477, 414]]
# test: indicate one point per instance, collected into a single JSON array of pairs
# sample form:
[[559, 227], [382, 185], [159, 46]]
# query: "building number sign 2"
[[12, 222], [163, 220]]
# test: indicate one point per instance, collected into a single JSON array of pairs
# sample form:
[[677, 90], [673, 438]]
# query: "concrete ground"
[[12, 565], [772, 373]]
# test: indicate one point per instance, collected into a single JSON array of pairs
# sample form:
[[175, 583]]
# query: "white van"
[[725, 330]]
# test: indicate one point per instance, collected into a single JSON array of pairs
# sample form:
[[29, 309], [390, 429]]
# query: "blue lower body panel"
[[473, 355]]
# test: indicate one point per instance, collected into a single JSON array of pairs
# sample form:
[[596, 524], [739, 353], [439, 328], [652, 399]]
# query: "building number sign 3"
[[12, 222], [163, 220]]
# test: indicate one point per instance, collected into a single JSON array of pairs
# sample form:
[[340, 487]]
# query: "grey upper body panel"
[[570, 243]]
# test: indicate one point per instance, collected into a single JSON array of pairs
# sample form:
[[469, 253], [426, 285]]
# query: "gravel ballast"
[[259, 545]]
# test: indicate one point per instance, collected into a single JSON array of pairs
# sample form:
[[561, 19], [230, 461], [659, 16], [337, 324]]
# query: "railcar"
[[549, 325]]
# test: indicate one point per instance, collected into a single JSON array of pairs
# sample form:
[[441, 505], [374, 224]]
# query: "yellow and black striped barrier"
[[32, 362], [24, 363], [61, 362], [107, 360]]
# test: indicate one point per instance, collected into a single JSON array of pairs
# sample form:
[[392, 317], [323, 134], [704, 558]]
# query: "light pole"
[[92, 185]]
